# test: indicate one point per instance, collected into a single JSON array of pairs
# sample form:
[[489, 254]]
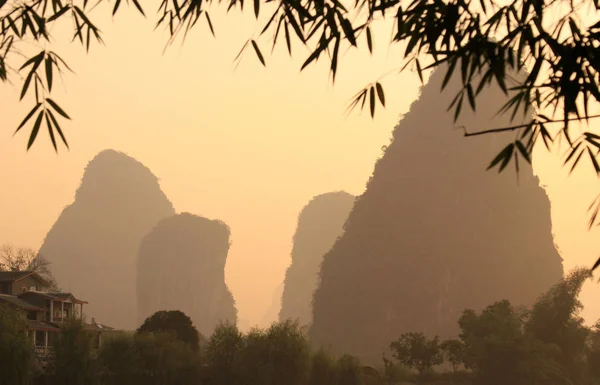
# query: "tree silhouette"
[[175, 322]]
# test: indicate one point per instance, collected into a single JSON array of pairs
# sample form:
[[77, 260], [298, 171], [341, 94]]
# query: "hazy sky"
[[250, 146]]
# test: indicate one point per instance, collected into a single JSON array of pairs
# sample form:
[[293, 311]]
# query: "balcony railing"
[[44, 351]]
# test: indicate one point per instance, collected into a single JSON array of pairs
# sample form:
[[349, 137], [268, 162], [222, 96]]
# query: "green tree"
[[493, 341], [16, 353], [593, 358], [277, 355], [223, 352], [323, 369], [165, 359], [118, 360], [172, 321], [73, 362], [417, 351], [454, 352], [394, 372], [349, 371], [555, 319], [499, 351]]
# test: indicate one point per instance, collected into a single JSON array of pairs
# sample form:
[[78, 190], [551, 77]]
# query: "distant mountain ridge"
[[181, 266], [434, 233], [320, 223], [93, 244]]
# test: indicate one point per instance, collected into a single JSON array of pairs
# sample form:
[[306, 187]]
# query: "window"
[[32, 315], [40, 338], [97, 341], [5, 288]]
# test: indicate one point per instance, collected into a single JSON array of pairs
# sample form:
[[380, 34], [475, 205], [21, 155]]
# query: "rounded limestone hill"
[[93, 245], [181, 266], [434, 232], [320, 223]]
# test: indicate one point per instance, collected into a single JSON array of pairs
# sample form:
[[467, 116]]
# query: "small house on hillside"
[[46, 311]]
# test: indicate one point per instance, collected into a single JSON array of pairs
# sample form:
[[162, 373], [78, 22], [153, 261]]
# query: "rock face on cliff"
[[93, 244], [319, 225], [434, 233], [181, 266]]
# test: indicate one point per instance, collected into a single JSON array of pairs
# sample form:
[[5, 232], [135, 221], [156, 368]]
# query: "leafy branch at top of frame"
[[29, 21]]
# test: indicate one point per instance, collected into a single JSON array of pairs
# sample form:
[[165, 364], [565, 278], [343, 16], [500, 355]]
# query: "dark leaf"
[[210, 25], [139, 7], [471, 96], [57, 108], [523, 151], [596, 264], [334, 58], [372, 101], [258, 53], [35, 130], [116, 7], [348, 30], [49, 72], [288, 42], [419, 70], [29, 115], [369, 40], [380, 93], [58, 129], [51, 132], [256, 8], [58, 14], [26, 84], [504, 156]]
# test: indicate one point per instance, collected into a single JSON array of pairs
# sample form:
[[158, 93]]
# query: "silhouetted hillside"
[[181, 266], [319, 225], [93, 244], [272, 312], [435, 233]]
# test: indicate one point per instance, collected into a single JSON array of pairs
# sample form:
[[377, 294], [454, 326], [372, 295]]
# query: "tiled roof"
[[98, 327], [42, 325], [56, 296], [12, 299], [11, 276]]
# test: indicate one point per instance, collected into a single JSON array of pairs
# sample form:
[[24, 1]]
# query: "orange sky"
[[249, 146]]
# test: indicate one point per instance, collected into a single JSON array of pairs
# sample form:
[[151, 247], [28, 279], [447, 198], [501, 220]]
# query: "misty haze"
[[242, 197]]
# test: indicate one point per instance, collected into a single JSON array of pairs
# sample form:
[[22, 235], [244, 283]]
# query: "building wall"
[[25, 284]]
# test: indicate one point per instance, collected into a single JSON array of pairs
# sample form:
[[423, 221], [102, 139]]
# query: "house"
[[46, 311]]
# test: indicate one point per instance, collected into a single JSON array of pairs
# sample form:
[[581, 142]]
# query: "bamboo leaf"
[[471, 96], [256, 8], [116, 7], [258, 53], [506, 153], [51, 132], [29, 115], [139, 7], [57, 127], [49, 72], [380, 93], [523, 151], [372, 101], [35, 130], [57, 108]]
